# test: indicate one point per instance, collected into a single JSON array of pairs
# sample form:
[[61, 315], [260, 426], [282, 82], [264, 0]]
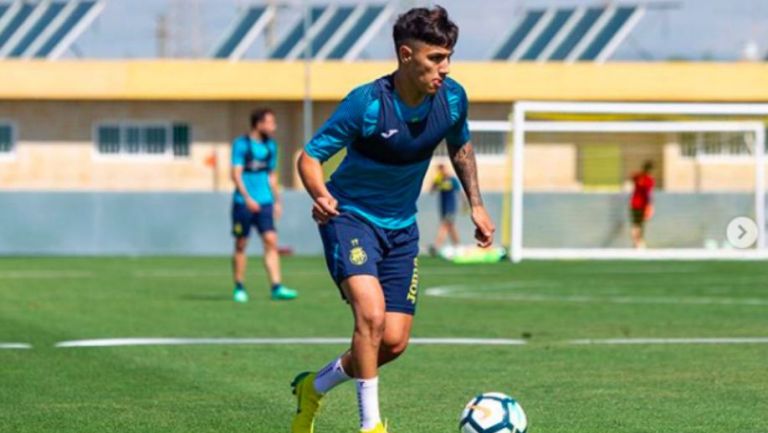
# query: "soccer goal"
[[572, 165]]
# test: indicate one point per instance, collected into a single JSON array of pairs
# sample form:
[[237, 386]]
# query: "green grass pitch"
[[670, 388]]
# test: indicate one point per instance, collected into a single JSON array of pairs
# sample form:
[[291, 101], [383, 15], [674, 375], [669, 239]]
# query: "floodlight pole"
[[307, 108]]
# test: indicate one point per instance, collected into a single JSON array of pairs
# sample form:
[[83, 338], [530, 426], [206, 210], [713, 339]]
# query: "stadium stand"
[[247, 28], [44, 29], [569, 34], [337, 32]]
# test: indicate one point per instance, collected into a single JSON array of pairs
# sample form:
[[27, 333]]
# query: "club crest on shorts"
[[357, 255]]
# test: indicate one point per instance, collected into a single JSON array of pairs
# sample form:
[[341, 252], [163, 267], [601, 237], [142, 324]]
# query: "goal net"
[[573, 167]]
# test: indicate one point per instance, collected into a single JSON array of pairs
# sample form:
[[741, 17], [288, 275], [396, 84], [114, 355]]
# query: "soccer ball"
[[493, 412]]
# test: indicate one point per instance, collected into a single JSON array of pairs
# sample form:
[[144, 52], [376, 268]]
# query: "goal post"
[[632, 118]]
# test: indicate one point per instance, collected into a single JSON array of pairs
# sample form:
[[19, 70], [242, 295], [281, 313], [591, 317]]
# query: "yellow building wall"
[[55, 106], [55, 148], [493, 82], [684, 174]]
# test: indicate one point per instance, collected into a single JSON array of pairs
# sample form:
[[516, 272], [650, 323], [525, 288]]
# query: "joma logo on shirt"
[[389, 133]]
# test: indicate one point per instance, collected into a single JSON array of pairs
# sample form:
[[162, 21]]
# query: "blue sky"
[[696, 29]]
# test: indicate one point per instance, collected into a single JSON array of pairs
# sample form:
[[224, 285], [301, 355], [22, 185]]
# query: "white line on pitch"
[[187, 273], [460, 292], [125, 342], [628, 341], [15, 346], [116, 342], [42, 274]]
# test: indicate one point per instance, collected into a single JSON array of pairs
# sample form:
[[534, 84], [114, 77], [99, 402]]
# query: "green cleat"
[[308, 403], [240, 295], [282, 293]]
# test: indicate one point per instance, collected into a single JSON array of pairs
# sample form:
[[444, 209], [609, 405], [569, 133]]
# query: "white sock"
[[330, 376], [368, 401]]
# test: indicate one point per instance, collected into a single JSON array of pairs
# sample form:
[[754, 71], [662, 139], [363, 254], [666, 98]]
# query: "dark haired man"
[[256, 202], [367, 212]]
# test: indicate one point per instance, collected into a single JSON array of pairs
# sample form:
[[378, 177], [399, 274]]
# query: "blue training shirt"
[[257, 165], [388, 153], [448, 188]]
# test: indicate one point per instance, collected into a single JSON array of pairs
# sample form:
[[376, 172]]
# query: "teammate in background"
[[367, 211], [449, 187], [256, 202], [641, 206]]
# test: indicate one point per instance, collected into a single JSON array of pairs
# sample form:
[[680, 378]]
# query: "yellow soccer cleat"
[[308, 403], [380, 428]]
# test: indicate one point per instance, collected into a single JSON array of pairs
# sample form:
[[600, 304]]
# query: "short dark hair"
[[648, 165], [258, 115], [431, 26]]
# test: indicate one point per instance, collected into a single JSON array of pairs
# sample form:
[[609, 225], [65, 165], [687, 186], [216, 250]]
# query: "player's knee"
[[393, 349], [270, 241], [370, 323], [240, 245]]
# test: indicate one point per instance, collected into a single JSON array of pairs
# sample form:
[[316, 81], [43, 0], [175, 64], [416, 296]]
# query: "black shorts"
[[637, 216], [243, 219], [354, 246]]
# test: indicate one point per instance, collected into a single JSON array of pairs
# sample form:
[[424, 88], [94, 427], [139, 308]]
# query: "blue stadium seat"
[[16, 21], [532, 17], [241, 29], [67, 27], [355, 34], [45, 20], [331, 27], [548, 34], [295, 36], [577, 33], [608, 32], [4, 8]]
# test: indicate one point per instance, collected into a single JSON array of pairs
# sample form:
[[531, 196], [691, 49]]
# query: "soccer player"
[[367, 211], [640, 205], [448, 186], [256, 201]]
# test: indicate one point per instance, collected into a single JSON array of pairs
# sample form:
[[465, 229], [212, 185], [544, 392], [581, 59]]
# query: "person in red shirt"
[[641, 205]]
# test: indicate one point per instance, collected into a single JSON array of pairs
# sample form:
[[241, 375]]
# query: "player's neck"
[[407, 91], [258, 136]]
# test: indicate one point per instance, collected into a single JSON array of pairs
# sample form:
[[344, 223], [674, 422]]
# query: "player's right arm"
[[312, 176], [238, 164], [344, 126]]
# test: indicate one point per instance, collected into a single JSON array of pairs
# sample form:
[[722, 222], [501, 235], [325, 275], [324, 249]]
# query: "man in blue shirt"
[[367, 212], [448, 187], [256, 201]]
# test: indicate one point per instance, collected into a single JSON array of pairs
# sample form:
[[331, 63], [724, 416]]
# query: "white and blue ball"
[[493, 412]]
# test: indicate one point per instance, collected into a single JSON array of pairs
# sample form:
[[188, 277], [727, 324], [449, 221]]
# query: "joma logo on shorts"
[[413, 291]]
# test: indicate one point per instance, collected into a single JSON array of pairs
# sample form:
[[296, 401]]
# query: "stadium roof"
[[338, 32], [44, 29], [498, 82], [569, 34]]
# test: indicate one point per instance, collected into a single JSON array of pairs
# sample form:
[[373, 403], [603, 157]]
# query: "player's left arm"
[[465, 164], [274, 183], [462, 155]]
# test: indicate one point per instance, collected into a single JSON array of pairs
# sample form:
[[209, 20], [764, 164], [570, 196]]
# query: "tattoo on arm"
[[465, 165]]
